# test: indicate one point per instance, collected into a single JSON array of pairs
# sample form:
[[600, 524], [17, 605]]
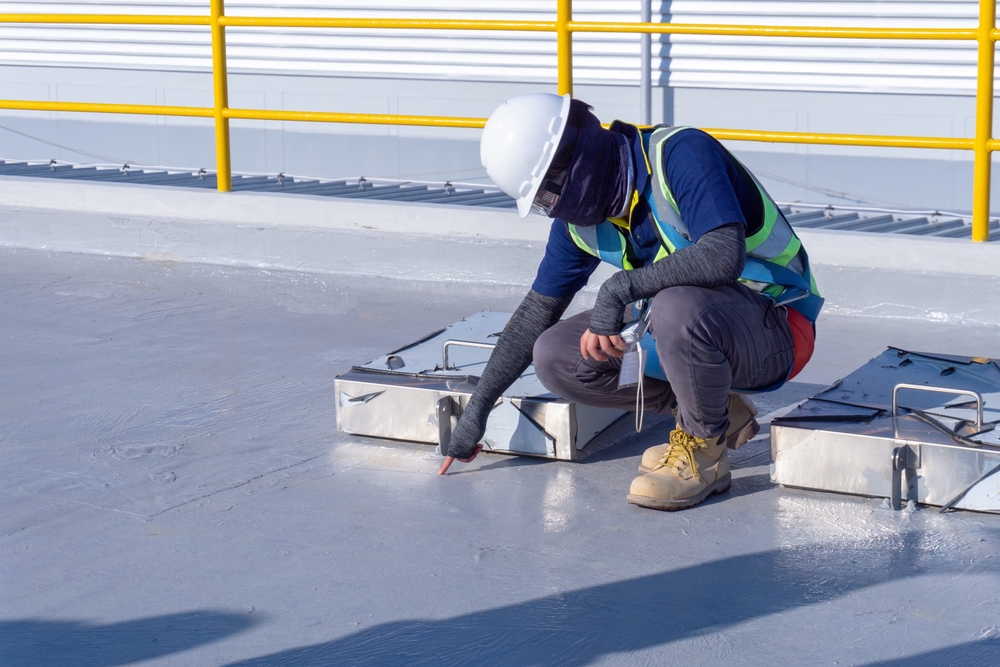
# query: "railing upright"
[[220, 86], [564, 47], [645, 69], [983, 159]]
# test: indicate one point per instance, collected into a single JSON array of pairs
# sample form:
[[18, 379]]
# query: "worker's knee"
[[676, 312], [563, 371]]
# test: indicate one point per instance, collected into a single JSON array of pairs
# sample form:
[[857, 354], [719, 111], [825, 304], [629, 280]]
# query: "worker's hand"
[[448, 460], [468, 432], [599, 348]]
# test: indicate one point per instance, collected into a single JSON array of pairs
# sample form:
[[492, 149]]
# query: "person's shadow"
[[41, 643], [579, 627]]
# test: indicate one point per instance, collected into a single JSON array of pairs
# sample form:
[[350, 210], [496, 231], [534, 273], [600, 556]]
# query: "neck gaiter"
[[597, 184]]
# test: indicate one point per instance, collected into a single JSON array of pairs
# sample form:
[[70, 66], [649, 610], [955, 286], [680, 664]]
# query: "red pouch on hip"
[[803, 339]]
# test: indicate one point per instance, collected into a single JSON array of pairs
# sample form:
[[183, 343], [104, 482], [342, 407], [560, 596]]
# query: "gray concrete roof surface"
[[175, 493]]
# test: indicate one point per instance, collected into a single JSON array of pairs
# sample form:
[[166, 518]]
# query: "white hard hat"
[[520, 141]]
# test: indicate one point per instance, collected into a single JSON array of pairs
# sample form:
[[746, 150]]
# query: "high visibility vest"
[[777, 265]]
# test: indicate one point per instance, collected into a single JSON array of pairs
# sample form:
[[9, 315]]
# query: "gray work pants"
[[709, 340]]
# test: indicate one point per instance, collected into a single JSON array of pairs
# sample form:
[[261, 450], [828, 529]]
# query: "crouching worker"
[[729, 298]]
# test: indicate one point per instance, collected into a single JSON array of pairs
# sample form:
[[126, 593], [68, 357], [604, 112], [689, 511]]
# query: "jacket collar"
[[641, 171]]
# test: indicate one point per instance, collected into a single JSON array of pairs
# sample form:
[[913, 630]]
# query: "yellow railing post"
[[220, 85], [564, 46], [984, 122]]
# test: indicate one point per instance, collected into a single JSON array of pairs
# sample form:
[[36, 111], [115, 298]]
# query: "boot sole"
[[720, 485], [737, 440]]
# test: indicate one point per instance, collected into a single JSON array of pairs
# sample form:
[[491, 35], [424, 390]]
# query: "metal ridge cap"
[[900, 252], [848, 208], [270, 209]]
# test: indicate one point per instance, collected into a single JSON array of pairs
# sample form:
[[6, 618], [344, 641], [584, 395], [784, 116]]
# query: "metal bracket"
[[460, 343], [898, 465], [904, 460], [449, 410]]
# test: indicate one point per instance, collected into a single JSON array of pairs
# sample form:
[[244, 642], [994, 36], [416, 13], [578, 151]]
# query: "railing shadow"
[[43, 643], [579, 627]]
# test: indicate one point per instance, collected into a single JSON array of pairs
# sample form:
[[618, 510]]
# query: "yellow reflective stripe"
[[619, 222], [645, 157], [580, 243], [790, 251], [660, 254]]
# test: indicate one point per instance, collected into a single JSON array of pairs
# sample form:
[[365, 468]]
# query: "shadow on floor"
[[982, 653], [41, 643], [621, 441], [580, 627]]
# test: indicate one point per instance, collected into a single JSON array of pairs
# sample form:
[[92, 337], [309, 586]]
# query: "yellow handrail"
[[986, 35], [889, 141], [386, 24], [107, 19], [90, 107], [732, 30], [362, 118]]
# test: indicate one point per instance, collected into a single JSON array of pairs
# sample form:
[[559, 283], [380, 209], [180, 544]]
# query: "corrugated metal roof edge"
[[800, 215]]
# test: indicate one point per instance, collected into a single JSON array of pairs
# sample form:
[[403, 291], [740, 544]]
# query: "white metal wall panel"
[[682, 61], [884, 66], [416, 54]]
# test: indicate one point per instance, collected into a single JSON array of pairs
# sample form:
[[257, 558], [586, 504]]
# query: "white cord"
[[640, 394]]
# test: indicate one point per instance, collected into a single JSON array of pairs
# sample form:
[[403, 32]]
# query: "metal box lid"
[[905, 426], [416, 393]]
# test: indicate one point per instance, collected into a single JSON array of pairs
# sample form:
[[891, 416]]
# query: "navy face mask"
[[596, 183]]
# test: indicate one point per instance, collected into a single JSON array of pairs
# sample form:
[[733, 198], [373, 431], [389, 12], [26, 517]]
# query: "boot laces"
[[680, 452]]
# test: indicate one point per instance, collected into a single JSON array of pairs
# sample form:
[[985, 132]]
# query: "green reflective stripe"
[[774, 243], [790, 251], [604, 241], [583, 245], [770, 217], [775, 248], [661, 174], [667, 211]]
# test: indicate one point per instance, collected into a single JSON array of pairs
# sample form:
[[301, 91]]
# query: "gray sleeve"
[[716, 259], [509, 359]]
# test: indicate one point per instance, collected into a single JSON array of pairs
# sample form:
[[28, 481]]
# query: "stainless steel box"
[[906, 426], [418, 392]]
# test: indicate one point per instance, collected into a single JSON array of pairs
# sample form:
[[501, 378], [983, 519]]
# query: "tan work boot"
[[689, 471], [742, 428]]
